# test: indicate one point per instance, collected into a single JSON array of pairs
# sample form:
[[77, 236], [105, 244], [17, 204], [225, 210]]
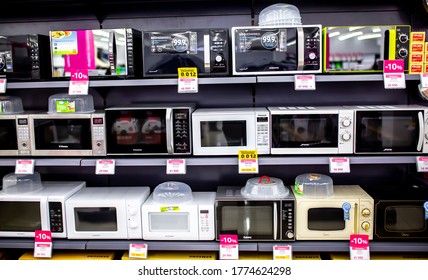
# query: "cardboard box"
[[416, 68], [416, 58], [417, 36], [417, 47]]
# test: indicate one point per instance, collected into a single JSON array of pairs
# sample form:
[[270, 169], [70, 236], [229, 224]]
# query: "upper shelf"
[[206, 81]]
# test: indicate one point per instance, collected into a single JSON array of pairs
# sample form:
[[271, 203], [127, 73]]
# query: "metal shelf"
[[44, 161], [332, 78]]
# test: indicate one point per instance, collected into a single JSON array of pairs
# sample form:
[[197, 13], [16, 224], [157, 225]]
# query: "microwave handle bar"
[[421, 131], [275, 220], [300, 49], [356, 218], [207, 53], [170, 129]]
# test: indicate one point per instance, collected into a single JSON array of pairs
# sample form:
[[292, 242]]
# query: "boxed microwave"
[[104, 53], [164, 51]]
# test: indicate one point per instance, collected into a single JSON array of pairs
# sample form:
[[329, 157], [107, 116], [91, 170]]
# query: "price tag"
[[187, 80], [42, 244], [304, 82], [359, 247], [3, 85], [24, 166], [282, 252], [138, 251], [393, 74], [176, 166], [424, 80], [229, 247], [248, 162], [105, 167], [339, 165], [79, 82], [422, 164]]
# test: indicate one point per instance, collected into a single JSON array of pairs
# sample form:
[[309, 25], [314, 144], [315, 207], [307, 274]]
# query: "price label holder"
[[424, 80], [138, 251], [176, 166], [3, 83], [304, 82], [42, 244], [24, 166], [105, 167], [248, 162], [422, 163], [79, 83], [282, 252], [229, 248], [393, 74], [359, 247], [339, 165], [187, 80]]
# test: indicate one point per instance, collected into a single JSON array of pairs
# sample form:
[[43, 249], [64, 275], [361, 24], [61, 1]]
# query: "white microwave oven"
[[23, 212], [350, 210], [225, 131], [190, 220], [311, 130], [106, 213]]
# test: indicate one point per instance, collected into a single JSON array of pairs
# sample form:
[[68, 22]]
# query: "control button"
[[290, 234], [346, 122], [312, 56], [365, 226], [218, 58], [24, 144], [133, 225], [403, 52], [366, 212], [403, 38], [346, 136], [132, 211]]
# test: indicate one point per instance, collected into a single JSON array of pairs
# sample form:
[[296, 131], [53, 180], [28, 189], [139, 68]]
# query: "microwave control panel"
[[288, 221], [345, 127], [56, 217], [312, 45], [181, 131], [262, 132], [23, 136], [98, 135], [366, 217]]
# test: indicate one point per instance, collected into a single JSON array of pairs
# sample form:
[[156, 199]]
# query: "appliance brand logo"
[[63, 146], [387, 150], [137, 150], [247, 237], [403, 234]]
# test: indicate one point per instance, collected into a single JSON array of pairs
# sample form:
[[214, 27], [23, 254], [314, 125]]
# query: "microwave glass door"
[[8, 139], [62, 134], [250, 220], [20, 216], [136, 131], [305, 131], [265, 49], [169, 222], [95, 219], [388, 131], [223, 133]]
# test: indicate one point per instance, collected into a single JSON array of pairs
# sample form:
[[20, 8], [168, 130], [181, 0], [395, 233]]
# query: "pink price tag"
[[42, 236], [393, 66], [359, 241], [228, 239], [79, 75]]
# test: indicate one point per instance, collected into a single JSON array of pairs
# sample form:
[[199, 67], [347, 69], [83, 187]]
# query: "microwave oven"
[[254, 219], [225, 131], [22, 212], [189, 220], [363, 49], [106, 213], [15, 135], [350, 210], [311, 130], [165, 51], [25, 57], [156, 129], [268, 50], [104, 53], [390, 129], [67, 134], [401, 213]]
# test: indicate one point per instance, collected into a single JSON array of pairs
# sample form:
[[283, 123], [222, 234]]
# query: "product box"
[[416, 68], [416, 58], [417, 47], [175, 255], [73, 255], [417, 37]]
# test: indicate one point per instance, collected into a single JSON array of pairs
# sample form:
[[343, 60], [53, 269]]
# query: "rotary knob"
[[132, 211], [366, 212], [290, 235], [403, 38], [346, 122], [218, 58], [365, 226], [312, 56], [403, 52], [346, 136], [133, 225]]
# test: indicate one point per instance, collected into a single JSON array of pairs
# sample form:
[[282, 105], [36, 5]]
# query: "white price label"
[[78, 88], [105, 167], [176, 166], [359, 254], [24, 166], [422, 164], [424, 80], [42, 244], [187, 80], [359, 247], [138, 251], [3, 83], [394, 80], [248, 162], [304, 82], [339, 165], [229, 249], [282, 252]]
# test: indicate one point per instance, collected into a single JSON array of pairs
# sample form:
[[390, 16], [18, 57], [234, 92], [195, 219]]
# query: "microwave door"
[[300, 49], [275, 221], [170, 131], [421, 132], [112, 52]]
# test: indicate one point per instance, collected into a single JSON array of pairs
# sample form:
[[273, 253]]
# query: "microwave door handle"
[[169, 131], [421, 131], [112, 52], [356, 219], [275, 220], [300, 48]]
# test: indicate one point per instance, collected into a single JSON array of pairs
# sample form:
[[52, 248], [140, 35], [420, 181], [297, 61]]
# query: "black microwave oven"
[[25, 57], [104, 53], [269, 50], [165, 51]]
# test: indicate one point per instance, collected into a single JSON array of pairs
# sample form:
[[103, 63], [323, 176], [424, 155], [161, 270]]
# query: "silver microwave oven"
[[311, 130], [15, 135], [269, 50]]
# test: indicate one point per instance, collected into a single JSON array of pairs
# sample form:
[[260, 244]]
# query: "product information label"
[[422, 164], [176, 166], [3, 85], [42, 244], [393, 74], [304, 82], [138, 251], [105, 167], [248, 162], [24, 166], [339, 165], [282, 252], [359, 247], [65, 106], [424, 80], [187, 80], [64, 42], [169, 208], [229, 249], [79, 82]]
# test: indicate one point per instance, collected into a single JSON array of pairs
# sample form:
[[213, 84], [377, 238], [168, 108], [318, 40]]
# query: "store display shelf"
[[44, 161], [28, 243], [332, 78]]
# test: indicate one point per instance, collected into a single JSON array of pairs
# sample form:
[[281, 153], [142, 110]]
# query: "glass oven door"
[[8, 137], [20, 218]]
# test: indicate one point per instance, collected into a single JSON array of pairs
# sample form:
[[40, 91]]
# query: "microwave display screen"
[[223, 133], [168, 221], [20, 216], [65, 134], [247, 220], [8, 139], [405, 218], [387, 131], [95, 219], [300, 131], [326, 219]]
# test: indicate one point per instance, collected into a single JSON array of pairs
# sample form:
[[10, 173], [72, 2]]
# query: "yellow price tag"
[[187, 79], [169, 208], [187, 72], [247, 154], [248, 161]]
